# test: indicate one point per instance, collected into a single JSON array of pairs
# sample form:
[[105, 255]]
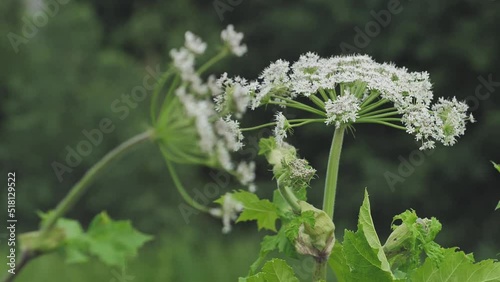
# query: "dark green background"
[[65, 77]]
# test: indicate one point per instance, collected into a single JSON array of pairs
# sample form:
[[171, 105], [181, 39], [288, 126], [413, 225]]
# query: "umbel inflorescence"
[[353, 89], [340, 91]]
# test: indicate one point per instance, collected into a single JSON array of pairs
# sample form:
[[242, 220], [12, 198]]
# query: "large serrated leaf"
[[338, 263], [457, 266], [363, 260], [361, 256]]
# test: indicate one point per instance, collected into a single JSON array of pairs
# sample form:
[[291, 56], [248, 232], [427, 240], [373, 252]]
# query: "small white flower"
[[201, 111], [230, 130], [246, 173], [183, 60], [194, 43], [342, 110], [233, 40], [224, 157], [236, 96], [280, 129], [252, 188], [306, 74], [228, 212], [213, 86], [472, 119], [276, 74]]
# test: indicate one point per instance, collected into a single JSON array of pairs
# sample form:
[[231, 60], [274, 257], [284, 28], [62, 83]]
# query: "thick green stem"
[[333, 171], [81, 186], [320, 267]]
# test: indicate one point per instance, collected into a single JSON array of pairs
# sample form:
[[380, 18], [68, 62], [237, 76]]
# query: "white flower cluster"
[[311, 73], [233, 40], [444, 122], [280, 129], [194, 43], [235, 97], [343, 109], [246, 175], [228, 212], [230, 130], [409, 92], [219, 134]]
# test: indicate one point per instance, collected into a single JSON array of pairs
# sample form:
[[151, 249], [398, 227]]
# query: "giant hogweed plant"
[[197, 122]]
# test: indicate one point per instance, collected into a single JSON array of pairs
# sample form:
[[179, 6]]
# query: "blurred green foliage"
[[66, 77]]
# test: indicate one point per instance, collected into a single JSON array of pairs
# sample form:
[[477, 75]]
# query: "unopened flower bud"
[[317, 240]]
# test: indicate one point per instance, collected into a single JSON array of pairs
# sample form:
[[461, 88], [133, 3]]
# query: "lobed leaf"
[[457, 266], [263, 211]]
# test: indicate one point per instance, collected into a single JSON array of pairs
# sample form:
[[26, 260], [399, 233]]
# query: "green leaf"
[[275, 270], [270, 243], [263, 211], [363, 260], [75, 242], [365, 223], [266, 145], [361, 257], [497, 166], [457, 266], [498, 206], [114, 241], [292, 228], [338, 263], [111, 241], [283, 208], [409, 239], [72, 228]]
